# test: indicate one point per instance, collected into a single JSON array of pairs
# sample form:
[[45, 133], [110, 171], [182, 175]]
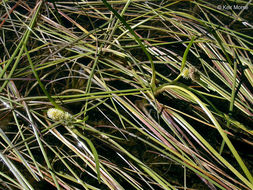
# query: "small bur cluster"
[[58, 115], [191, 73]]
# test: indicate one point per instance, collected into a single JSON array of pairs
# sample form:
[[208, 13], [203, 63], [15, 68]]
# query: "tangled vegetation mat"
[[126, 94]]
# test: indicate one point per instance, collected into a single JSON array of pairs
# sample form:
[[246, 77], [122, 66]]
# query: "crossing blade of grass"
[[106, 178], [77, 179], [152, 83], [183, 159], [21, 179], [7, 140], [27, 147], [224, 136], [93, 149], [20, 47], [39, 81], [35, 128], [162, 182], [11, 180]]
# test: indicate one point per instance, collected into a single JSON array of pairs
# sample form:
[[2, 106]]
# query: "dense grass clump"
[[129, 94]]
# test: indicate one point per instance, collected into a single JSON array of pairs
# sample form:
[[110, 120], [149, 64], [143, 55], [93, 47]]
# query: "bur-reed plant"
[[126, 94]]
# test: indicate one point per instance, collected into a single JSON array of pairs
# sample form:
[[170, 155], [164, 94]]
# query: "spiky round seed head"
[[57, 114], [185, 73]]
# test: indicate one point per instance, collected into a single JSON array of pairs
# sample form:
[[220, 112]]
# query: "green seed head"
[[58, 115], [185, 73]]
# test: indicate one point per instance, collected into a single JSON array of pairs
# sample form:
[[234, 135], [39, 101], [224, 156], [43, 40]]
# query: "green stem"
[[224, 136], [39, 81], [21, 45], [34, 129], [153, 79], [181, 69], [93, 149]]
